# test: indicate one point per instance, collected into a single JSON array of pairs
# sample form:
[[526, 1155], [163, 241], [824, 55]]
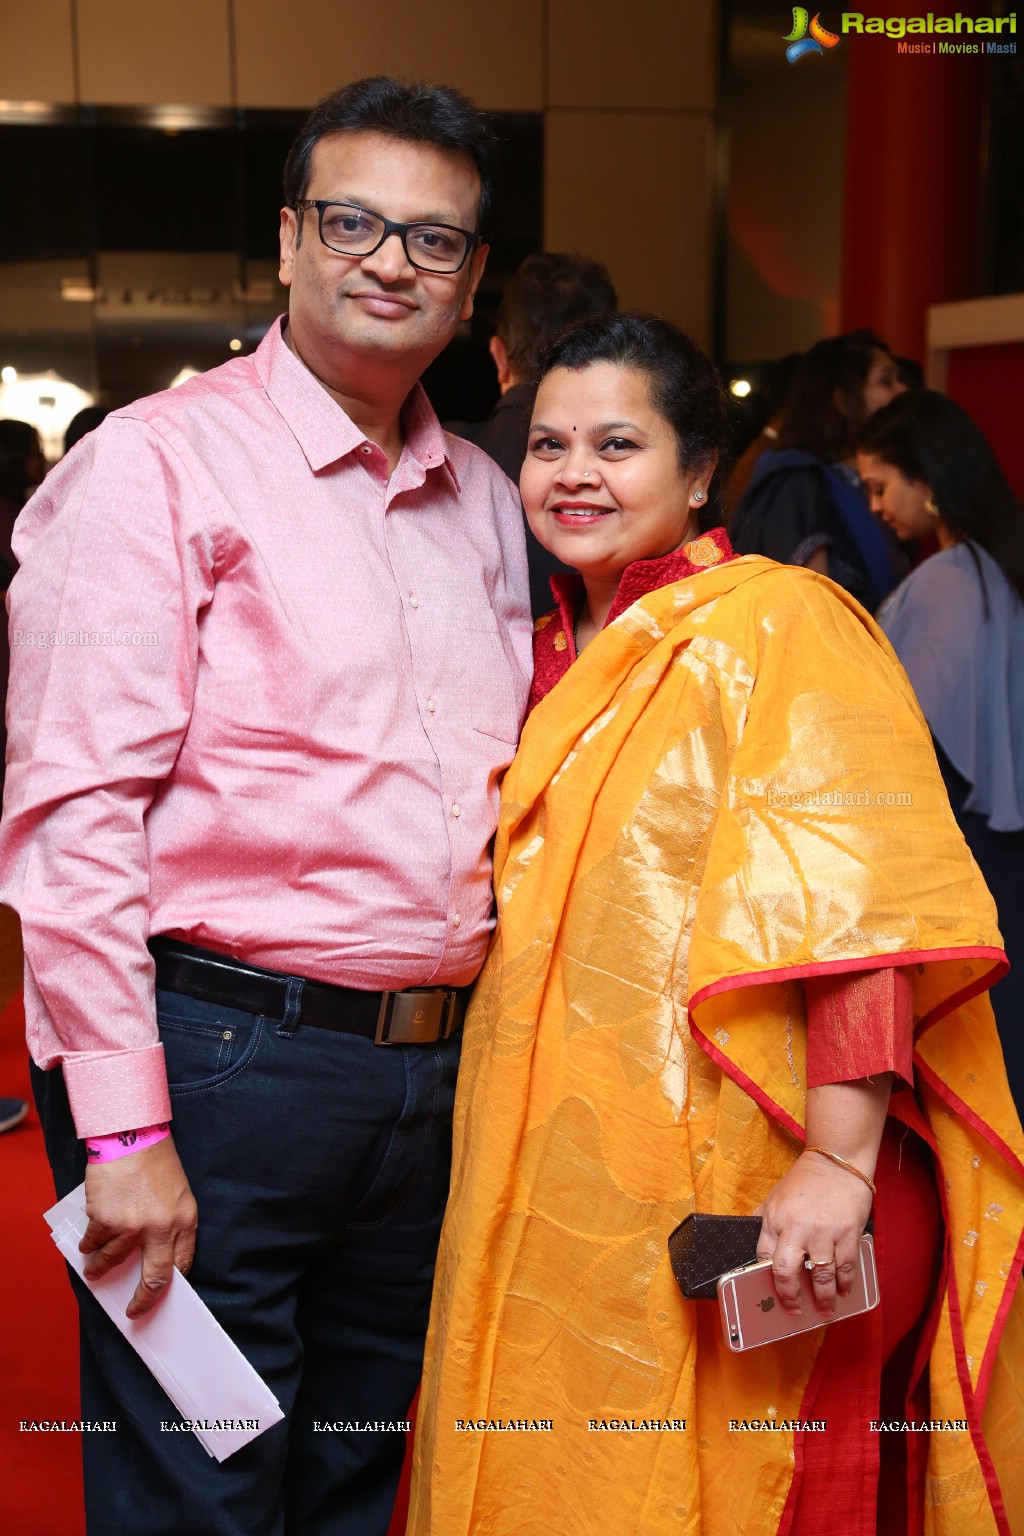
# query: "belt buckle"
[[415, 1017]]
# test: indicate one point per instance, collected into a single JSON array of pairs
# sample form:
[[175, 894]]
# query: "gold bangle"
[[835, 1158]]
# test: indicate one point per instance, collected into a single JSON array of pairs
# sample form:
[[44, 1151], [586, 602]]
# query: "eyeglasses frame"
[[391, 227]]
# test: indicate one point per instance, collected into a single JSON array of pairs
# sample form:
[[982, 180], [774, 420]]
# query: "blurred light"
[[235, 344], [256, 290], [183, 376], [47, 401], [9, 375], [172, 119], [740, 388], [31, 112], [77, 290]]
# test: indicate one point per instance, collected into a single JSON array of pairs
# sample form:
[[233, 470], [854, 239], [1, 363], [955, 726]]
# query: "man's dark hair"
[[684, 384], [548, 292], [400, 109], [824, 409]]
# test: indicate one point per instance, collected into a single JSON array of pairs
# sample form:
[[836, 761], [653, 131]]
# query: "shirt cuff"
[[859, 1024], [112, 1091]]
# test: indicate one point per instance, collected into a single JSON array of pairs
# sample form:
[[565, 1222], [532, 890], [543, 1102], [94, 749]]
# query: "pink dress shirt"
[[261, 699]]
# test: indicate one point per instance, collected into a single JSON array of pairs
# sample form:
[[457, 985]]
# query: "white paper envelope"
[[205, 1375]]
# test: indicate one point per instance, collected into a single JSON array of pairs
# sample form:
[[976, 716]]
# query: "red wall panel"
[[988, 382]]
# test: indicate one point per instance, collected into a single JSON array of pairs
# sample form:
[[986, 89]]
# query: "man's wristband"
[[105, 1149]]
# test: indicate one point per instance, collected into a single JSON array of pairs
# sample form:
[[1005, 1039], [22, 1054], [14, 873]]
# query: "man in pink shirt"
[[271, 651]]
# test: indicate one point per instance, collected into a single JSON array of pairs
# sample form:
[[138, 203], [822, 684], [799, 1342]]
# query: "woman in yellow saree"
[[740, 965]]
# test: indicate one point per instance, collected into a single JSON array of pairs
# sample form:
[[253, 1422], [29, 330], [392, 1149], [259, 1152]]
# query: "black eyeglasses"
[[353, 231]]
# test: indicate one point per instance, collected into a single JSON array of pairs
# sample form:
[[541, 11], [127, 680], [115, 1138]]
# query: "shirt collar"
[[322, 429], [425, 439]]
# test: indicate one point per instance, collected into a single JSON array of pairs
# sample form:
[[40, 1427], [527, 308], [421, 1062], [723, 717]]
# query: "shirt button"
[[431, 705], [367, 448], [456, 920], [414, 602], [456, 808]]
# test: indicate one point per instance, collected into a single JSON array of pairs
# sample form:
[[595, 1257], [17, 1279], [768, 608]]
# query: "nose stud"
[[586, 474]]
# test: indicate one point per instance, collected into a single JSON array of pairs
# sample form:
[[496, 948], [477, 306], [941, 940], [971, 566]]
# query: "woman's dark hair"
[[684, 385], [399, 109], [909, 372], [824, 408], [19, 442], [931, 439], [86, 420]]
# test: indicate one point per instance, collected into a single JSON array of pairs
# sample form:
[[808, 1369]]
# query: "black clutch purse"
[[703, 1247]]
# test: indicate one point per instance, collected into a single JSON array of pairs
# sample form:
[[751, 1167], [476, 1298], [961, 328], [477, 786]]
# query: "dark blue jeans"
[[320, 1165]]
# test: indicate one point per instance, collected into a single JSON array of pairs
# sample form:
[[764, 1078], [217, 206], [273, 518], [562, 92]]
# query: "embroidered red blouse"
[[554, 643], [858, 1023]]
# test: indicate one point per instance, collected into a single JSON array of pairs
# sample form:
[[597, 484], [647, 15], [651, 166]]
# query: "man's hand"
[[140, 1201]]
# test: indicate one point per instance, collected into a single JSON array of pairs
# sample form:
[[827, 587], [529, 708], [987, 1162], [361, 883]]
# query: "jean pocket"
[[203, 1051]]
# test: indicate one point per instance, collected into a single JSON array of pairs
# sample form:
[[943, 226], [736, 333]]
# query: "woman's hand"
[[816, 1210], [819, 1209]]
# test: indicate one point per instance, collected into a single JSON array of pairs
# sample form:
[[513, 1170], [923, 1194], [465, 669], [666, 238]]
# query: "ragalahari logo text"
[[941, 34], [808, 35]]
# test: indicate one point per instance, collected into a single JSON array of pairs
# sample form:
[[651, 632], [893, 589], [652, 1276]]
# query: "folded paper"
[[208, 1379]]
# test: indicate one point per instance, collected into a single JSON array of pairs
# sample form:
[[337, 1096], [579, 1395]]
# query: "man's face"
[[378, 306]]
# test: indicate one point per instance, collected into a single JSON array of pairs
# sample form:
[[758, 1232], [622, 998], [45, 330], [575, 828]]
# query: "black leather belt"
[[416, 1016]]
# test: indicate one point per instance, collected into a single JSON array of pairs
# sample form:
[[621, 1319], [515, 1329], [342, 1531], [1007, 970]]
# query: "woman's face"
[[602, 484], [882, 383], [895, 499]]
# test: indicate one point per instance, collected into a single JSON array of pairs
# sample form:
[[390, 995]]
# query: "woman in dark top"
[[804, 504]]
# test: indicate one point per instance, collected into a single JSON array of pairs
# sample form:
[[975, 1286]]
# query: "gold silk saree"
[[731, 789]]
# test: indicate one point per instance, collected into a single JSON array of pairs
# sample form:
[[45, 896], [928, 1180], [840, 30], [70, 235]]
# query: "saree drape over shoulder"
[[732, 789]]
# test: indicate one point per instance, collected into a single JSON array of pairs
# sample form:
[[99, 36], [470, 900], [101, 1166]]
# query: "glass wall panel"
[[141, 245]]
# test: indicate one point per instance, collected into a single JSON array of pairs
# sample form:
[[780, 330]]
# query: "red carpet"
[[40, 1477], [40, 1481]]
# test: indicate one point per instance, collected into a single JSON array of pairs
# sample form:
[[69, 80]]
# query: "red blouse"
[[554, 641], [859, 1023]]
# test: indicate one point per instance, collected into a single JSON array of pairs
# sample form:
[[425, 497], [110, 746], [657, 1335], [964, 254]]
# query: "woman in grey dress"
[[957, 625]]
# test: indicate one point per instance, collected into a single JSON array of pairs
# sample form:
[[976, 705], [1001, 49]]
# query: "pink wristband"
[[105, 1149]]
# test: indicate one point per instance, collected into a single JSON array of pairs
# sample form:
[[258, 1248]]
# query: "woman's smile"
[[576, 514]]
